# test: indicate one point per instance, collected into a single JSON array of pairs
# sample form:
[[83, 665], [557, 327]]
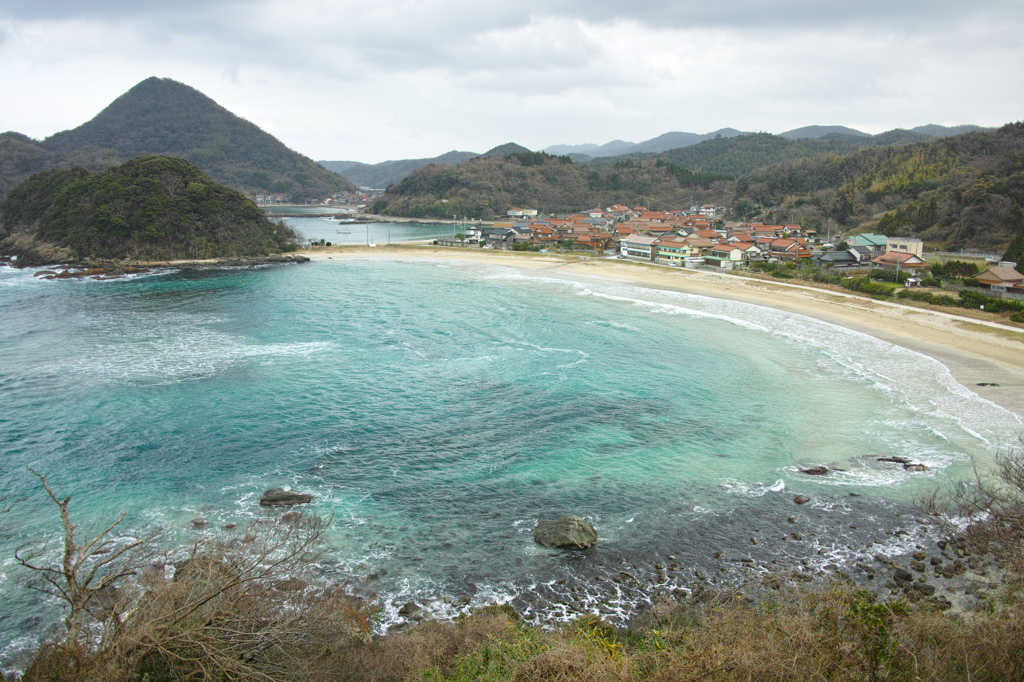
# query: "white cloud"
[[371, 81]]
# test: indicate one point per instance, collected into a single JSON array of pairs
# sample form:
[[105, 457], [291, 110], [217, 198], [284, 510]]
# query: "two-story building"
[[638, 246], [673, 251]]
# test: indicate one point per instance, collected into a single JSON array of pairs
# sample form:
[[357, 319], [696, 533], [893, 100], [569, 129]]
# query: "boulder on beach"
[[279, 497], [568, 532]]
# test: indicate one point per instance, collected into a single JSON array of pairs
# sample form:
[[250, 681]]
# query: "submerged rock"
[[569, 532], [815, 471], [801, 499], [279, 497]]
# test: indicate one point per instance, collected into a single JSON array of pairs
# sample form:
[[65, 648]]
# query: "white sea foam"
[[753, 489], [169, 355], [914, 380]]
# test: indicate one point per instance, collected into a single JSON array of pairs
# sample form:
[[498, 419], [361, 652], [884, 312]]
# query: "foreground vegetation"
[[250, 608]]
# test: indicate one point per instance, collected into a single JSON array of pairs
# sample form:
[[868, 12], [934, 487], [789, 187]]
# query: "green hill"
[[162, 116], [505, 149], [150, 208], [958, 192], [744, 153], [488, 186]]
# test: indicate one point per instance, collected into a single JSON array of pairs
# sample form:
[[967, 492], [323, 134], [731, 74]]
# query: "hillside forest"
[[150, 208], [958, 192]]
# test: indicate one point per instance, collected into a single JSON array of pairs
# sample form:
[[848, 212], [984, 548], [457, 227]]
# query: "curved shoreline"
[[975, 351]]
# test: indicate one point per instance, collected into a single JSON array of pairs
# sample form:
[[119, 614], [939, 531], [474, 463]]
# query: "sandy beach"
[[974, 352]]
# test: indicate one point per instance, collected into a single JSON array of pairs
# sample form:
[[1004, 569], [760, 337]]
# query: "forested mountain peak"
[[506, 149], [815, 132], [163, 116]]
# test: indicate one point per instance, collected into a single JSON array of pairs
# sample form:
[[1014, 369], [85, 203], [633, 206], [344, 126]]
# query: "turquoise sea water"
[[438, 410], [362, 234]]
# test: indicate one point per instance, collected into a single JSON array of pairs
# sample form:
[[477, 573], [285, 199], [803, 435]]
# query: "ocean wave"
[[171, 356], [753, 489]]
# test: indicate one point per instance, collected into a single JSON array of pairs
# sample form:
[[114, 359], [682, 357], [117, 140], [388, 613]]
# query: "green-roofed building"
[[878, 243]]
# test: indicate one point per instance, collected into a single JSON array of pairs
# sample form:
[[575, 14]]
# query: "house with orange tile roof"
[[1001, 279], [893, 259], [700, 245], [659, 229], [789, 249], [726, 256], [764, 231]]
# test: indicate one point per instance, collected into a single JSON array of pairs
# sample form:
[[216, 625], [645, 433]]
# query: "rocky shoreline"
[[105, 270], [944, 576]]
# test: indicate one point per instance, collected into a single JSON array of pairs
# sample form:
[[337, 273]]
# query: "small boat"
[[344, 231]]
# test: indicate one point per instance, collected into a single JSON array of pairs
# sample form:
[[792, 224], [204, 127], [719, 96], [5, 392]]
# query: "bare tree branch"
[[68, 582]]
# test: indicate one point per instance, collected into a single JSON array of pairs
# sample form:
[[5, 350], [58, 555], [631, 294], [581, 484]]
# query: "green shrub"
[[866, 286], [971, 299], [926, 297]]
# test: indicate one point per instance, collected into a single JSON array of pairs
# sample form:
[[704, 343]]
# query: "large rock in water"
[[569, 532], [279, 497]]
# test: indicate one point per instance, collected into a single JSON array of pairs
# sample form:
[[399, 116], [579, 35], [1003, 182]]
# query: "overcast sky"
[[390, 79]]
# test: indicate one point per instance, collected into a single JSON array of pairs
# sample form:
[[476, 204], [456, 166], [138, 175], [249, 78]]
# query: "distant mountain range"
[[162, 116], [676, 140], [380, 175], [661, 143]]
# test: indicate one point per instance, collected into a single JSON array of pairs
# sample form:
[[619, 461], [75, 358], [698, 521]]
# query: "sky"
[[390, 79]]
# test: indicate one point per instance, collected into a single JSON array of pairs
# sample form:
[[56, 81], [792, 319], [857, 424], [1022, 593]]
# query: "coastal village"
[[701, 238]]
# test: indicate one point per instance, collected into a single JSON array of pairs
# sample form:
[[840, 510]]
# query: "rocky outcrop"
[[32, 253], [815, 471], [279, 497], [411, 611], [568, 532]]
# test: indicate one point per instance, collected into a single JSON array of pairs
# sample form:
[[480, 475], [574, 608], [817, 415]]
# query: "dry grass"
[[833, 634]]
